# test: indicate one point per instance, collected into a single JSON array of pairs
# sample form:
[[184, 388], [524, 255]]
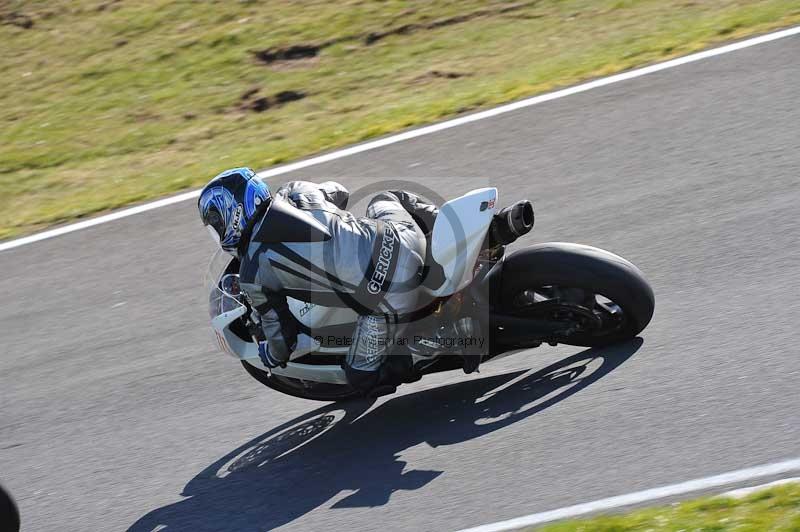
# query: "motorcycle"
[[553, 293]]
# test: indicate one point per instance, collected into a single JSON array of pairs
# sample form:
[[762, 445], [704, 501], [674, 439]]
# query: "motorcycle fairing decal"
[[306, 308], [223, 344]]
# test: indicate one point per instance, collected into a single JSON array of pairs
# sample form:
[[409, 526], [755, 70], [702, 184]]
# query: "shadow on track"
[[301, 465]]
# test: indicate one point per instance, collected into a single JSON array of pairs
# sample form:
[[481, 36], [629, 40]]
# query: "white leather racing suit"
[[307, 247]]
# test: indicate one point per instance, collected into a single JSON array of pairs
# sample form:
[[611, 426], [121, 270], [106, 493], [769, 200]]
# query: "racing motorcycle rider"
[[302, 243]]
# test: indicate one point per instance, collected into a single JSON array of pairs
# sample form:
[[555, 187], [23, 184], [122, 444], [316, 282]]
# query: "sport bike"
[[551, 293]]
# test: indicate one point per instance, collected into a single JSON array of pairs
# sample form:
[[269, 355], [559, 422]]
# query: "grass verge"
[[106, 103], [773, 509]]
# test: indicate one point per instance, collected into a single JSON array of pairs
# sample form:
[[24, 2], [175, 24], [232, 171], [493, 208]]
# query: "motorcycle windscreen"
[[220, 303], [223, 290]]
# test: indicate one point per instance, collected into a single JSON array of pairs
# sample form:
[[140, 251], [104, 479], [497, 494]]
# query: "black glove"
[[266, 357], [424, 213]]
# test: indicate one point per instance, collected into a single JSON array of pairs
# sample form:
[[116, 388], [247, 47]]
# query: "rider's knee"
[[384, 196], [389, 202]]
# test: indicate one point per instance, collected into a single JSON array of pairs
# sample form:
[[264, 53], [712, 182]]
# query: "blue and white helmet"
[[228, 202]]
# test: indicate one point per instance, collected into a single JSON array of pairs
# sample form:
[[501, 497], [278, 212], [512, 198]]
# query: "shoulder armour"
[[285, 223]]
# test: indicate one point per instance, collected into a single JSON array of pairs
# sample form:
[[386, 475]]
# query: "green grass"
[[774, 509], [109, 102]]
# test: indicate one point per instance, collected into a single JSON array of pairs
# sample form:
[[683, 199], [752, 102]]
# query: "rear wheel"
[[316, 391], [600, 298]]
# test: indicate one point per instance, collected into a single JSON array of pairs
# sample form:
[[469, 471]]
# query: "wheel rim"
[[582, 311]]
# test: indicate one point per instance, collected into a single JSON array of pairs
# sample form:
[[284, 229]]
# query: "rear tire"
[[592, 269], [316, 391]]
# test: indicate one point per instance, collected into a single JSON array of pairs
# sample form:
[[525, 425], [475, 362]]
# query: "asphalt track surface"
[[117, 411]]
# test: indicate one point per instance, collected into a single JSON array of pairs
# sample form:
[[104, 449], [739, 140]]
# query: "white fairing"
[[248, 351], [224, 309], [458, 234]]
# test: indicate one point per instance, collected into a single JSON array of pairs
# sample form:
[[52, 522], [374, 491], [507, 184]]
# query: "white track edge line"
[[638, 497], [745, 492], [419, 132]]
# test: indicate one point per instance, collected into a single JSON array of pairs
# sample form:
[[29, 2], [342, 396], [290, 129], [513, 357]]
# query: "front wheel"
[[316, 391], [599, 298]]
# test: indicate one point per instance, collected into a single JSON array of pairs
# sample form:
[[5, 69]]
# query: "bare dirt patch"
[[251, 100], [20, 20], [432, 75], [288, 53], [304, 52], [406, 29]]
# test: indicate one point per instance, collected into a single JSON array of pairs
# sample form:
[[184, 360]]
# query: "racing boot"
[[462, 337], [469, 329]]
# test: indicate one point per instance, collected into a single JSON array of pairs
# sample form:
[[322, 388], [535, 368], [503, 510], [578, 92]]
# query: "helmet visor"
[[215, 225]]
